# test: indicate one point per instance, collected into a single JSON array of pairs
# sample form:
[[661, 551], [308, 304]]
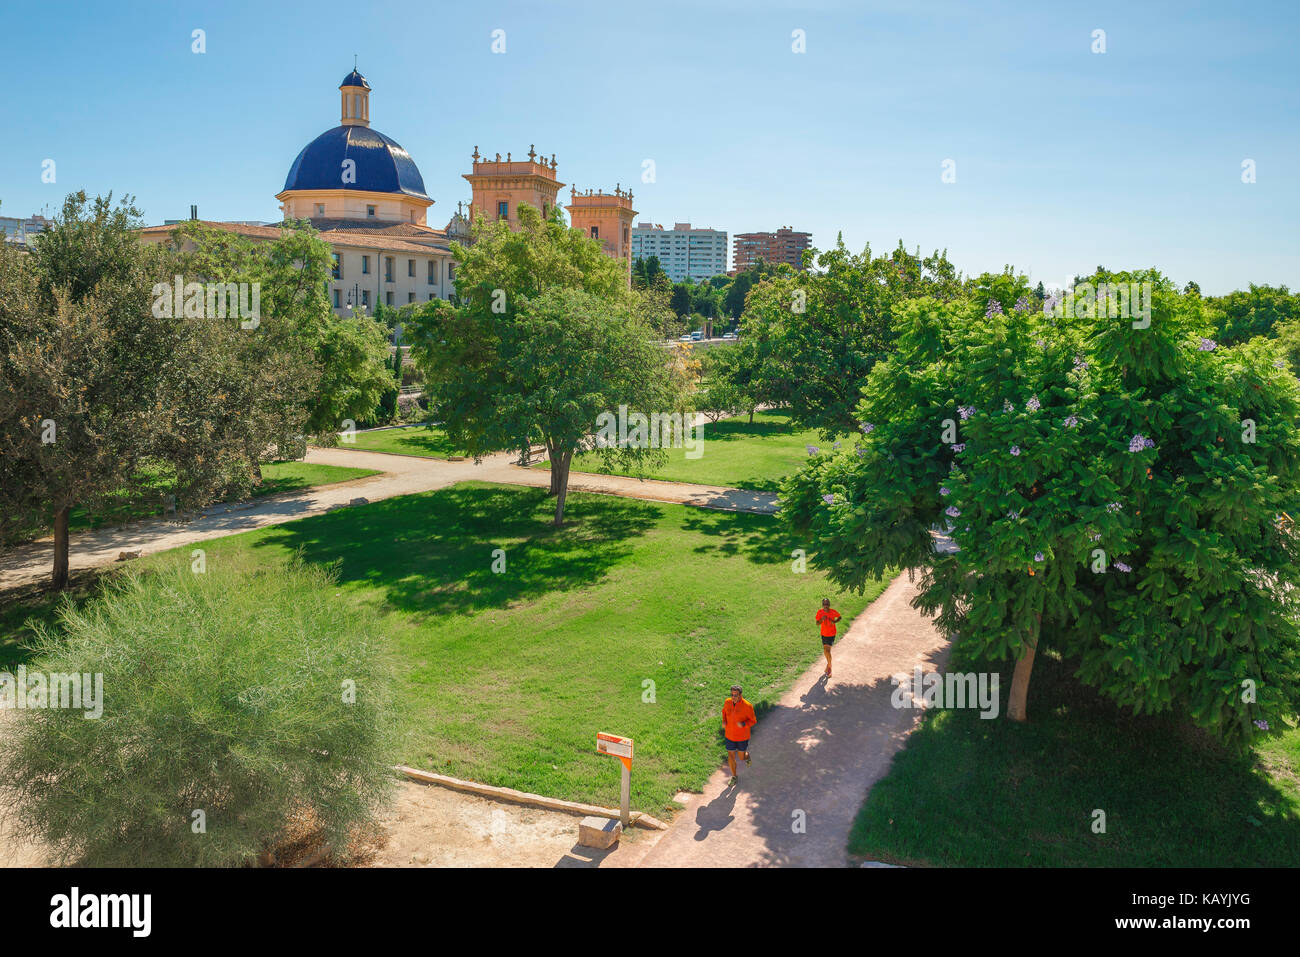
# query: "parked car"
[[728, 335], [697, 335], [684, 338]]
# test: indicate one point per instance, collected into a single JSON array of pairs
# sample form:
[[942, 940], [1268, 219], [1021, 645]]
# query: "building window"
[[365, 265], [595, 232], [365, 298], [336, 299], [503, 210], [320, 209], [338, 265], [370, 210], [388, 298], [388, 269], [451, 271], [410, 297], [433, 272], [410, 267]]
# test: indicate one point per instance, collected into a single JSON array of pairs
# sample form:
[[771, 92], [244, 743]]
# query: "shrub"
[[223, 692]]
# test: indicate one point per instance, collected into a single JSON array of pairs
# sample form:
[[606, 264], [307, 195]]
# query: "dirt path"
[[815, 755], [400, 475]]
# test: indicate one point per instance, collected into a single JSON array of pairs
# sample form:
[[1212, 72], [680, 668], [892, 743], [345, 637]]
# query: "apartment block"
[[783, 246], [683, 251]]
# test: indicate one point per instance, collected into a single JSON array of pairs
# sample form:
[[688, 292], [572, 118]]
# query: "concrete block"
[[599, 832]]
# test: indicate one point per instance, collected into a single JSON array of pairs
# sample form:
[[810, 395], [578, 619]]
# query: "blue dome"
[[382, 165], [355, 79]]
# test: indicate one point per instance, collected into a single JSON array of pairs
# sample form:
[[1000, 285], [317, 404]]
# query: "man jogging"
[[737, 719], [827, 617]]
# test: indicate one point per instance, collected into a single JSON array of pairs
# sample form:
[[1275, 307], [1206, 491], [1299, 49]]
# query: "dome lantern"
[[356, 100]]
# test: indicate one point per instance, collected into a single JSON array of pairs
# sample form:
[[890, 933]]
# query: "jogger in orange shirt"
[[737, 718], [827, 617]]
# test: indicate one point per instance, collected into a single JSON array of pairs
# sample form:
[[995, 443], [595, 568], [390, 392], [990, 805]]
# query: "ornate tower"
[[607, 217], [499, 186]]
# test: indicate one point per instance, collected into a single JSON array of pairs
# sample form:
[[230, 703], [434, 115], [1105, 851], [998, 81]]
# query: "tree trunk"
[[60, 577], [1017, 709], [555, 471], [751, 416], [560, 469]]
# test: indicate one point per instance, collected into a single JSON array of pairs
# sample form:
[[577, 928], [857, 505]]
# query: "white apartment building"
[[682, 251]]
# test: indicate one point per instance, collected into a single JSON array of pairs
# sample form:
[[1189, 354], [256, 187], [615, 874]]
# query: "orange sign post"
[[621, 748]]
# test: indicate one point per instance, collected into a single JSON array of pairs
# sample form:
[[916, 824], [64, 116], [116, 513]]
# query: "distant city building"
[[783, 246], [682, 251], [17, 231]]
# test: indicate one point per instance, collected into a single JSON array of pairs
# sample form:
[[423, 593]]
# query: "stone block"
[[599, 832]]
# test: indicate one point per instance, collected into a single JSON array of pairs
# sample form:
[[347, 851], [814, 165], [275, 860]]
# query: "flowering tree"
[[1115, 486]]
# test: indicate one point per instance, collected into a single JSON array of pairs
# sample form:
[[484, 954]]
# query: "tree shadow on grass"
[[761, 539], [974, 792], [433, 552]]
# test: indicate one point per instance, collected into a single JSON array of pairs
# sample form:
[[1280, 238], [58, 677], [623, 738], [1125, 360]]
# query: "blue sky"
[[1064, 158]]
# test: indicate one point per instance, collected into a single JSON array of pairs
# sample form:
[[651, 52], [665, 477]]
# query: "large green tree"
[[547, 337], [95, 383], [1115, 488], [819, 333]]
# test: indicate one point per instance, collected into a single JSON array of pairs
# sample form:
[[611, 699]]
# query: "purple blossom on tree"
[[1140, 442], [945, 490], [1122, 567], [1033, 405], [1079, 363], [965, 411], [829, 499], [1038, 556], [1007, 406], [952, 511], [959, 447], [994, 308], [1262, 725], [1071, 421], [813, 450], [1015, 450], [1114, 507], [1207, 345], [868, 428], [1022, 305], [835, 447]]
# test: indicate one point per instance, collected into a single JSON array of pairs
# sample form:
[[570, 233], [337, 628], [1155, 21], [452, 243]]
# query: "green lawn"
[[968, 791], [144, 497], [426, 440], [506, 678], [734, 453]]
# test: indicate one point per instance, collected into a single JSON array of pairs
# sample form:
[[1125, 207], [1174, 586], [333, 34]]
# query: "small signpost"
[[620, 748]]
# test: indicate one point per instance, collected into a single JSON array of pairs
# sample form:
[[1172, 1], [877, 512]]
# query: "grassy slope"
[[973, 792], [734, 454], [508, 677]]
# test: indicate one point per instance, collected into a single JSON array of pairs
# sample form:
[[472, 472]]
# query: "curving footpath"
[[27, 565]]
